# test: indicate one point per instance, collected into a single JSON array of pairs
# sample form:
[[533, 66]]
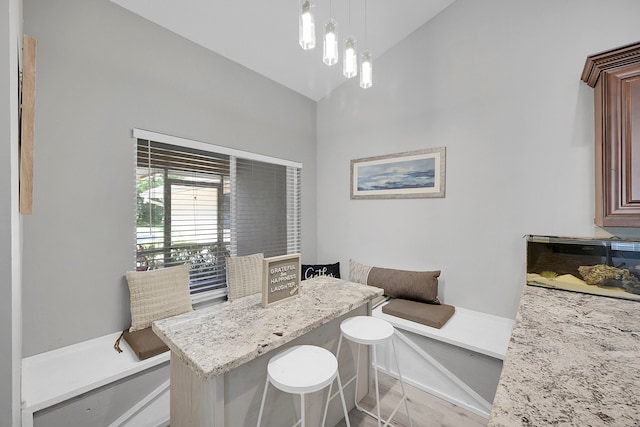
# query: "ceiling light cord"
[[366, 35]]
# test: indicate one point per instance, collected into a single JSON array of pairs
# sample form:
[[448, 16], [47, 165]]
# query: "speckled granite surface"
[[573, 360], [215, 340]]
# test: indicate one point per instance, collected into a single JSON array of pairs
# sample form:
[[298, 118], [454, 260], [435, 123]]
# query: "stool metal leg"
[[375, 373], [355, 393], [264, 396], [339, 345], [340, 391], [326, 406], [344, 404], [301, 411], [404, 394]]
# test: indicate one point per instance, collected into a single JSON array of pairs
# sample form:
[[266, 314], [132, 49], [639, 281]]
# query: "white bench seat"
[[473, 330], [58, 375], [460, 362]]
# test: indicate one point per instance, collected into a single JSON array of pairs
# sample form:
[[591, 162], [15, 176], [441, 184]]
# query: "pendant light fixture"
[[350, 59], [307, 26], [330, 51], [366, 65], [366, 71]]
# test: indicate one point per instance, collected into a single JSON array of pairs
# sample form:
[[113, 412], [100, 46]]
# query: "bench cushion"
[[144, 343], [434, 315]]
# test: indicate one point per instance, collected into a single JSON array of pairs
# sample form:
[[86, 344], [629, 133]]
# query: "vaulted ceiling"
[[263, 35]]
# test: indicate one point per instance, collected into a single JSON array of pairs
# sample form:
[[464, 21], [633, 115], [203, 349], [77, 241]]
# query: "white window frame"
[[217, 295]]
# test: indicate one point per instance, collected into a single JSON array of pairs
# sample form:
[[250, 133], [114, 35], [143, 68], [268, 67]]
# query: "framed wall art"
[[412, 174]]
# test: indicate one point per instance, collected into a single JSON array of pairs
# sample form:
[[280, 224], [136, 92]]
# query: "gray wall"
[[101, 72], [10, 325], [497, 82]]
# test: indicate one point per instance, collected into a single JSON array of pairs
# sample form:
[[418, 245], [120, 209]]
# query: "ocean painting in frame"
[[412, 174]]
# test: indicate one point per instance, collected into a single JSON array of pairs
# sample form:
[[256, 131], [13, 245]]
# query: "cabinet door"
[[620, 148]]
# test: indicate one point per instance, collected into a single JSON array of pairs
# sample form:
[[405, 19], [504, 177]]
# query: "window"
[[199, 203]]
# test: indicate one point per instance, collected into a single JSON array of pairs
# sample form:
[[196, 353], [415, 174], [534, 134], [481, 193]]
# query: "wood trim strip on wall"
[[28, 92]]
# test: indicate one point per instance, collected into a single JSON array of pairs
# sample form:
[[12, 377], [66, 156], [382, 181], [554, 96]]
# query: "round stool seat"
[[366, 330], [302, 369]]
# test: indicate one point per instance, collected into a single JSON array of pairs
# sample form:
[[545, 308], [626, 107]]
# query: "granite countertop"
[[216, 339], [573, 360]]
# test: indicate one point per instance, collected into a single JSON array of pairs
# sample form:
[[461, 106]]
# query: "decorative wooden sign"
[[28, 94], [281, 276]]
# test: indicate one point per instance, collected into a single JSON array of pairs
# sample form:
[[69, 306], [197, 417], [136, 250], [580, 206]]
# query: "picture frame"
[[412, 174], [281, 279]]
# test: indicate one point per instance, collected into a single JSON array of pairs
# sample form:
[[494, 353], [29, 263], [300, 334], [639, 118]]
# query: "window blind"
[[199, 206], [266, 207]]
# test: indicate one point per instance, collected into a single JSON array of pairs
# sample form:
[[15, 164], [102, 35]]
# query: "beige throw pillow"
[[244, 275], [158, 294], [358, 273]]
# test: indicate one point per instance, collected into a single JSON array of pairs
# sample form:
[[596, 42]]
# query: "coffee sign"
[[281, 277]]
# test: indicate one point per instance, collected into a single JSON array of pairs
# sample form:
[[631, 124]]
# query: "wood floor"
[[425, 409]]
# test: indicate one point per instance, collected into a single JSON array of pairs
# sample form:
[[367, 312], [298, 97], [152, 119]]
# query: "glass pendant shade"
[[350, 60], [330, 52], [366, 70], [307, 27]]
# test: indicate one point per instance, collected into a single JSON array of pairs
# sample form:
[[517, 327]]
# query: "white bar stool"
[[367, 330], [300, 370]]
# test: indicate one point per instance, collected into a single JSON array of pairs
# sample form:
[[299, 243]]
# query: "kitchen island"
[[573, 360], [217, 372]]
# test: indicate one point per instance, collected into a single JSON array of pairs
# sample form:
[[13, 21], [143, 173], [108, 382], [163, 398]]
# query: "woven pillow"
[[421, 286], [358, 273], [244, 275], [158, 294]]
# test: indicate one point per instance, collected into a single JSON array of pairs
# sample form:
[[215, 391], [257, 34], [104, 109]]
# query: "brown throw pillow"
[[427, 314], [419, 286]]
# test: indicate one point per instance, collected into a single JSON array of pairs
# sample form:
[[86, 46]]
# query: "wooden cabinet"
[[615, 76]]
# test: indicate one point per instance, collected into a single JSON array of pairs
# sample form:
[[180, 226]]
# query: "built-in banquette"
[[450, 352]]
